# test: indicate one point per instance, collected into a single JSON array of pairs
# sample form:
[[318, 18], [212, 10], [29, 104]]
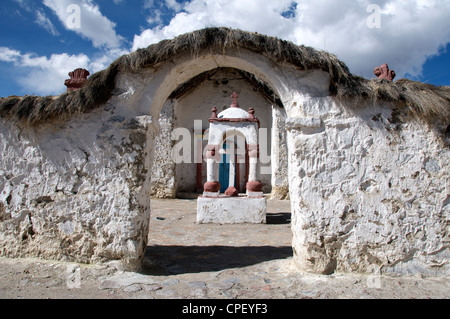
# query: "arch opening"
[[188, 108], [187, 93]]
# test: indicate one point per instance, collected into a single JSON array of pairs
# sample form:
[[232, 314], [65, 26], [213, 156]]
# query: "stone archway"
[[290, 85], [171, 76], [78, 184], [189, 107]]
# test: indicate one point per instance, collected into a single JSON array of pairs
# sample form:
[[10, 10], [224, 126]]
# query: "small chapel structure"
[[230, 208]]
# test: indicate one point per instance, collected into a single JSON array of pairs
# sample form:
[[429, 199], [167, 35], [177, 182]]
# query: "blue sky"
[[38, 46]]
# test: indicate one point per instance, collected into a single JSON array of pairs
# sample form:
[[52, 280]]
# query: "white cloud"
[[44, 21], [411, 30], [46, 75], [8, 55], [159, 10], [174, 5], [263, 16], [24, 5], [102, 60], [93, 25]]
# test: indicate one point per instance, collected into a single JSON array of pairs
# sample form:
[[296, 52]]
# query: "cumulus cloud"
[[410, 31], [263, 16], [92, 24], [46, 75], [9, 55]]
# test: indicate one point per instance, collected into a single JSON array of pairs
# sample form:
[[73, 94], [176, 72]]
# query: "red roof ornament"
[[383, 72], [78, 79]]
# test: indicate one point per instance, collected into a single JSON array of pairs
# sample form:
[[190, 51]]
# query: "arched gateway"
[[367, 160]]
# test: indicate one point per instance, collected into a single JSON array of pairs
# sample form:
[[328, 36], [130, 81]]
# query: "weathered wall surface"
[[164, 184], [280, 171], [73, 191], [370, 190]]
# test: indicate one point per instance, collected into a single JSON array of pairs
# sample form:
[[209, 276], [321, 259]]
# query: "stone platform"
[[231, 210]]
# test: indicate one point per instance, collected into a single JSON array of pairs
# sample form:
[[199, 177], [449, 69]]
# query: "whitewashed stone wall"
[[368, 192], [280, 173], [369, 189], [75, 190], [164, 183]]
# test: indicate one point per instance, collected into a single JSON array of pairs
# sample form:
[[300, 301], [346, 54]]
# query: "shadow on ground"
[[175, 260], [278, 218]]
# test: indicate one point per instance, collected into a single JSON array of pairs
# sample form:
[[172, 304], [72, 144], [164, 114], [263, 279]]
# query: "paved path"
[[178, 244], [187, 260]]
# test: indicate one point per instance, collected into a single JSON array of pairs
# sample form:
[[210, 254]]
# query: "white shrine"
[[230, 207]]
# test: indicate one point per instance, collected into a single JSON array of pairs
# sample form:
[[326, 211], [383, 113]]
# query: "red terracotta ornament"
[[231, 192], [235, 96], [78, 79], [254, 186], [251, 111], [383, 72], [214, 113], [211, 187]]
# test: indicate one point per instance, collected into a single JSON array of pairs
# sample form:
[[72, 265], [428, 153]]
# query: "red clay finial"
[[235, 96], [78, 79], [251, 111], [214, 113], [383, 72]]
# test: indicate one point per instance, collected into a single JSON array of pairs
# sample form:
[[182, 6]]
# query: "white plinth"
[[231, 210]]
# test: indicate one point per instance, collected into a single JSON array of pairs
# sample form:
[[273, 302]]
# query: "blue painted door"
[[224, 170]]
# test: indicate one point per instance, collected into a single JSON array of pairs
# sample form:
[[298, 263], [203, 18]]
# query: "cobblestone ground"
[[187, 260]]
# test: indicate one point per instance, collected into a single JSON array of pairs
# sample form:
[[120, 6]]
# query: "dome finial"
[[235, 96]]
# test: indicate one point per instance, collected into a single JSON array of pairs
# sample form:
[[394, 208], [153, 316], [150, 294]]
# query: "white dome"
[[233, 113]]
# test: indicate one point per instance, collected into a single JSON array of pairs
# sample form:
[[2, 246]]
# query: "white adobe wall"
[[164, 184], [364, 194], [74, 191], [368, 193], [280, 165]]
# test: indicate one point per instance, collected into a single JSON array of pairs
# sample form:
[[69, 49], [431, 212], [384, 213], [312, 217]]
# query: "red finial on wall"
[[235, 96], [78, 79], [383, 72]]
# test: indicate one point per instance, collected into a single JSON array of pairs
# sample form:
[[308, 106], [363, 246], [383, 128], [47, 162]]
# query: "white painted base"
[[255, 194], [231, 210], [211, 195]]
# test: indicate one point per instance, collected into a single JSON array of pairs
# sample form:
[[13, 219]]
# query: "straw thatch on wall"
[[426, 101]]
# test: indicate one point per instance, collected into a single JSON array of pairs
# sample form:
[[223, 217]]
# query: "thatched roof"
[[426, 101]]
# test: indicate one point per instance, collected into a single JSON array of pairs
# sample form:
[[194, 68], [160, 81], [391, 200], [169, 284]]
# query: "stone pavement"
[[177, 244], [185, 260]]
